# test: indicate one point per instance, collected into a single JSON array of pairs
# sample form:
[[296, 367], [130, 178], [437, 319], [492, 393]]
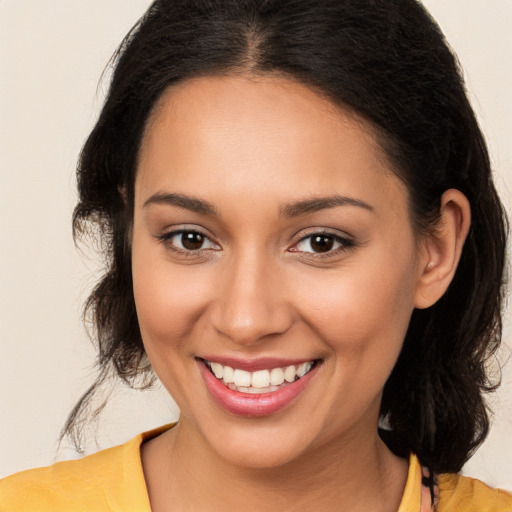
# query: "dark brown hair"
[[386, 60]]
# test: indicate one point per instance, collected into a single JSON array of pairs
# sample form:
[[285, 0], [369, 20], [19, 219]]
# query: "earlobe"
[[442, 249]]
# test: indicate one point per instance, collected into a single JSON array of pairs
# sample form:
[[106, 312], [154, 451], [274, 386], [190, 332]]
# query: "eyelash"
[[166, 239], [345, 243]]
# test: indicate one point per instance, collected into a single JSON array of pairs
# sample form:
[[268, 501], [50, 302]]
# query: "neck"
[[356, 473]]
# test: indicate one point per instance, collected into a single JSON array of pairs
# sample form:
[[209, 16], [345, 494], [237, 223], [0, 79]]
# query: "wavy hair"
[[386, 60]]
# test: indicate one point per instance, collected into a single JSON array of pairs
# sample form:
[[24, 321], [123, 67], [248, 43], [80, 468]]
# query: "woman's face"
[[270, 238]]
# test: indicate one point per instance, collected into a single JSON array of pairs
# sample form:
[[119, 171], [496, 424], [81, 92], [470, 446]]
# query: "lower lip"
[[245, 404]]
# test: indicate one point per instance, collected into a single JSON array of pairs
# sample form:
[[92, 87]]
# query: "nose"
[[251, 303]]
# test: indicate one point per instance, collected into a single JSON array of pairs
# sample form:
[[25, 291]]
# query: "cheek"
[[362, 318], [168, 299], [363, 310], [169, 302]]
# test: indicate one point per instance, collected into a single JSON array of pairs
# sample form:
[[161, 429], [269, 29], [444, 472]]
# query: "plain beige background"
[[52, 53]]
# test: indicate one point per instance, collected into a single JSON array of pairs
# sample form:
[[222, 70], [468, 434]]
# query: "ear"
[[441, 249]]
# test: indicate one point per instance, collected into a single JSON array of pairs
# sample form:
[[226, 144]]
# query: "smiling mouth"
[[260, 381]]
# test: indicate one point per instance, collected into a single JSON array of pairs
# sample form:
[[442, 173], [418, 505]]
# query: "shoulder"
[[107, 481], [60, 486], [464, 494]]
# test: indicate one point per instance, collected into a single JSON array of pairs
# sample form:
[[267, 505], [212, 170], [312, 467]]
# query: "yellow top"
[[112, 480]]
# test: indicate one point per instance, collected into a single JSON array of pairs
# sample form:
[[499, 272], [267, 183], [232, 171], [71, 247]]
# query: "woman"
[[303, 237]]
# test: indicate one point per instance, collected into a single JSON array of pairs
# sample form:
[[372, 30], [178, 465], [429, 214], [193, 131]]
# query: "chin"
[[261, 454], [256, 443]]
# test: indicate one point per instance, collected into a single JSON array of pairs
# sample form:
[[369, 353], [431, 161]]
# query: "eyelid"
[[345, 241], [167, 237]]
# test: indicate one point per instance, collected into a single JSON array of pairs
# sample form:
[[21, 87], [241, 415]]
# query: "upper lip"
[[255, 364]]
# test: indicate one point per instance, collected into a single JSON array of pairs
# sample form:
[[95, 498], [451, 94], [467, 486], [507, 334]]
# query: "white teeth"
[[228, 374], [303, 369], [241, 378], [289, 373], [276, 377], [261, 381], [218, 370], [252, 390]]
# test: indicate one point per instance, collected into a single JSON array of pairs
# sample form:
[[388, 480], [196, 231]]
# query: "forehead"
[[257, 135]]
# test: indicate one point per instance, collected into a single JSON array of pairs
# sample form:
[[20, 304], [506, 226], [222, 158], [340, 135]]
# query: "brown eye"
[[188, 241], [192, 241], [322, 243]]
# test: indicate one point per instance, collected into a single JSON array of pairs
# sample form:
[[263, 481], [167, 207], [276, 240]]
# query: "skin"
[[250, 147]]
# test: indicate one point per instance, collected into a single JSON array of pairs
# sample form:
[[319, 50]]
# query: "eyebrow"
[[316, 204], [295, 209], [189, 203]]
